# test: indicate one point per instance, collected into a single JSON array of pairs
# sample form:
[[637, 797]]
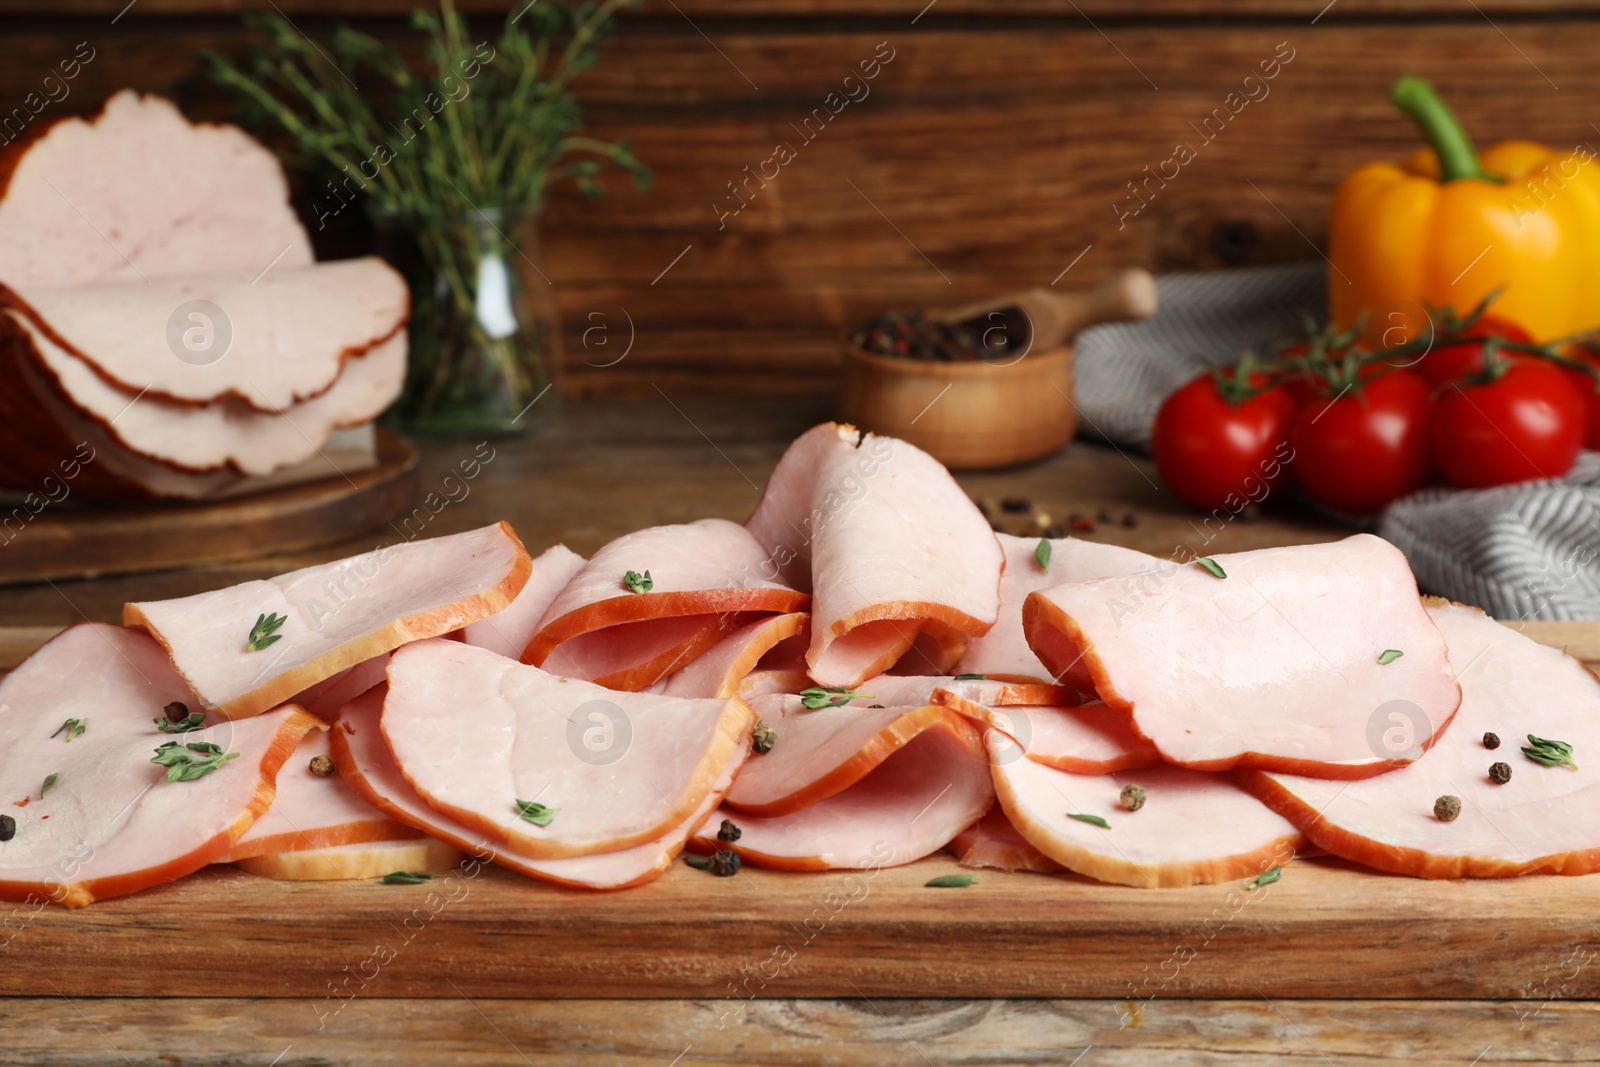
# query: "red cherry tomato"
[[1451, 363], [1528, 423], [1362, 450], [1217, 454], [1586, 384]]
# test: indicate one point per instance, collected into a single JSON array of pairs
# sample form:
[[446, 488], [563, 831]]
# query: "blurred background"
[[992, 152]]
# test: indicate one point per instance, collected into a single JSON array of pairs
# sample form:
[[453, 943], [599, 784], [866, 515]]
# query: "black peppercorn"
[[1500, 773], [728, 831], [1016, 505], [8, 828], [1446, 808], [1491, 740], [321, 766], [176, 711], [762, 738], [722, 863]]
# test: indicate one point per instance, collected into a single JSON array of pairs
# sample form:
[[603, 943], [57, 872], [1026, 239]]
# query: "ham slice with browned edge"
[[363, 757], [993, 842], [1003, 652], [705, 582], [910, 690], [311, 811], [508, 632], [366, 859], [910, 804], [892, 547], [1194, 828], [225, 435], [1296, 661], [43, 435], [819, 752], [1542, 821], [1089, 739], [480, 736], [722, 670], [95, 818], [338, 615], [136, 192], [279, 338]]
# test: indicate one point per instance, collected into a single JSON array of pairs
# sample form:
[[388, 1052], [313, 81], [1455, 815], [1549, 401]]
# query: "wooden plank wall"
[[995, 147]]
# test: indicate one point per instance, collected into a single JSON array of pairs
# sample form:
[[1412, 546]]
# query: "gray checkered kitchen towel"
[[1523, 551]]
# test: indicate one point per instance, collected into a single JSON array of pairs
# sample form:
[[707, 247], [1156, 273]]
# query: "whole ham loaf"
[[137, 192]]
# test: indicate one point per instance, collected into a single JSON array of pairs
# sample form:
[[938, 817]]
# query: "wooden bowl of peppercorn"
[[983, 385]]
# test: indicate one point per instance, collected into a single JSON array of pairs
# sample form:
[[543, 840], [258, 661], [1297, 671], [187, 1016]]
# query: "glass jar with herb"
[[452, 163]]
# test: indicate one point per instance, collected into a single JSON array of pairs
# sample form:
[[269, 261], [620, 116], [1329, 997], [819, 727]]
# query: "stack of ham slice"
[[162, 323], [860, 677]]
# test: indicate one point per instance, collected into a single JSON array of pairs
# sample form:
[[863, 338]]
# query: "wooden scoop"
[[1052, 318]]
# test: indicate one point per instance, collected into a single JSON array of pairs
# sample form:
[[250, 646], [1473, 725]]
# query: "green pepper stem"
[[1457, 158]]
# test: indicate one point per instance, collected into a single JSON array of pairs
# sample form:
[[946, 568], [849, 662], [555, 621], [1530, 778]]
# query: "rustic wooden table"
[[1336, 967]]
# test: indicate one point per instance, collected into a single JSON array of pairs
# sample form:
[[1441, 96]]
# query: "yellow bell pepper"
[[1448, 228]]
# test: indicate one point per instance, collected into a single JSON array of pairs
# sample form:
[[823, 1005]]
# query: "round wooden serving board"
[[86, 543]]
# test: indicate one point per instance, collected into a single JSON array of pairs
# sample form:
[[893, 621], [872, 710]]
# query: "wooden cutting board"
[[1327, 930], [62, 542]]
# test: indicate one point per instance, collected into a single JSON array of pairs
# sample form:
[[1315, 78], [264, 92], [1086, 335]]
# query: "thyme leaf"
[[1266, 877], [1211, 567], [73, 728], [1549, 753], [536, 813], [1388, 656], [186, 763], [971, 677], [406, 878], [950, 881], [829, 696], [50, 781], [638, 583], [183, 725], [1041, 554], [1092, 820], [265, 631]]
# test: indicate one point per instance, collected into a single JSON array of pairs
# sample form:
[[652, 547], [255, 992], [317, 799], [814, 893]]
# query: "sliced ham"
[[476, 734], [137, 192], [823, 751], [1541, 821], [368, 859], [332, 693], [508, 632], [914, 801], [1194, 827], [896, 551], [704, 578], [993, 842], [906, 691], [1278, 666], [290, 330], [721, 672], [111, 823], [339, 614], [311, 811], [42, 436], [774, 682], [1090, 739], [1003, 652], [225, 436], [363, 757]]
